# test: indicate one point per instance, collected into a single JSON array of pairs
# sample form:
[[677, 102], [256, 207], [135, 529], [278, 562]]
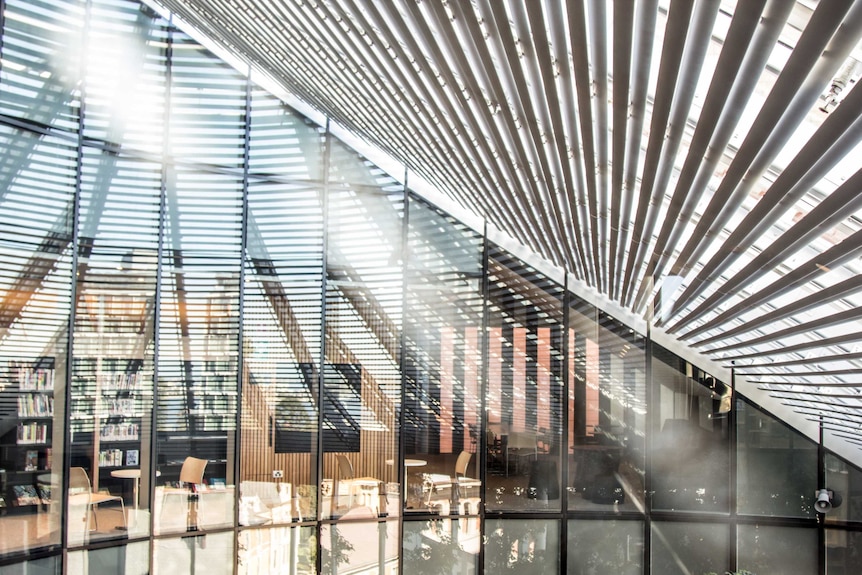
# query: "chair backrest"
[[345, 468], [79, 480], [192, 470], [523, 440], [462, 463]]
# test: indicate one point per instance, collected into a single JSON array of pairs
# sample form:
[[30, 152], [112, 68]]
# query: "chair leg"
[[123, 511]]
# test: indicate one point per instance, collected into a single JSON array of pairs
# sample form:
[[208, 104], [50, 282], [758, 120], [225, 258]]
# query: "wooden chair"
[[437, 481], [192, 477], [365, 487], [81, 493]]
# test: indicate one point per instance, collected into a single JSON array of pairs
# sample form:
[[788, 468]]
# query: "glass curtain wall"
[[524, 393], [119, 223], [41, 62], [231, 344], [442, 401], [198, 320], [606, 412], [690, 445], [361, 376], [282, 311]]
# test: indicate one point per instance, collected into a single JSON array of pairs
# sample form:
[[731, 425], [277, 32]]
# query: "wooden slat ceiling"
[[696, 162]]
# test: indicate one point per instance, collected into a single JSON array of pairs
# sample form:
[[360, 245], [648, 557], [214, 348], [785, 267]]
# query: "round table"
[[133, 474]]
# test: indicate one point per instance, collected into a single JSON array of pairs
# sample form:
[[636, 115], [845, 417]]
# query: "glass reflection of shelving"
[[27, 409], [109, 401]]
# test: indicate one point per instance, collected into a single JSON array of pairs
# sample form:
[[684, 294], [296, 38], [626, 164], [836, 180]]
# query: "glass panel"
[[362, 390], [525, 547], [277, 550], [132, 559], [690, 458], [200, 297], [282, 319], [359, 547], [43, 566], [41, 50], [36, 203], [607, 412], [776, 466], [845, 482], [525, 393], [689, 548], [843, 552], [125, 69], [442, 362], [605, 547], [441, 546], [210, 554], [785, 550], [112, 378]]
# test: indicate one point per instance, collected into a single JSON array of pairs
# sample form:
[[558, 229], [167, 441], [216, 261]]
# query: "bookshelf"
[[26, 438], [108, 406]]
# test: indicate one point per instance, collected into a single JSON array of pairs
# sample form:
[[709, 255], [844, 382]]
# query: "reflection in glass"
[[442, 349], [210, 554], [525, 547], [524, 398], [689, 548], [362, 376], [845, 481], [360, 547], [607, 412], [35, 302], [776, 466], [441, 546], [282, 311], [130, 559], [112, 370], [605, 547], [770, 549], [843, 552], [276, 550], [690, 470], [198, 327]]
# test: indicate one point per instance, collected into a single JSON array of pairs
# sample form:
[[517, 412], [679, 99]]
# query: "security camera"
[[824, 501]]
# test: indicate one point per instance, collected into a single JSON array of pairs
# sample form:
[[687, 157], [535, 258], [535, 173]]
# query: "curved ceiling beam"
[[675, 35], [645, 26], [848, 287], [839, 135], [838, 206], [743, 56], [623, 24], [694, 56], [772, 125]]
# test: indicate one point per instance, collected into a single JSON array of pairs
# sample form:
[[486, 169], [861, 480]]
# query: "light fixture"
[[826, 500]]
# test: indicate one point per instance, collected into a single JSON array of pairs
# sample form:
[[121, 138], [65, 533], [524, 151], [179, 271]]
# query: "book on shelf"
[[35, 379], [32, 433], [31, 460], [120, 432], [119, 381], [111, 458], [35, 405], [25, 494], [44, 493], [132, 458]]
